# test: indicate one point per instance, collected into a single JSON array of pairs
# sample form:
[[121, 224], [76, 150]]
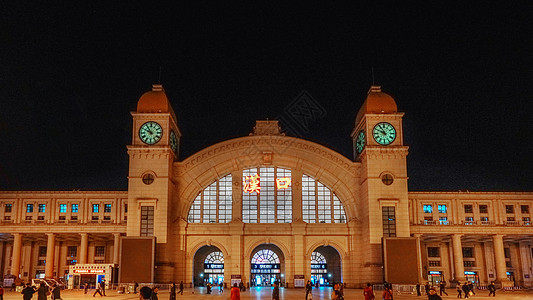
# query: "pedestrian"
[[181, 288], [221, 287], [102, 286], [433, 295], [471, 287], [85, 287], [368, 292], [145, 293], [418, 289], [235, 293], [208, 287], [492, 289], [466, 290], [1, 293], [308, 290], [275, 292], [56, 292], [155, 290], [426, 287], [459, 290], [173, 292], [387, 294], [42, 291], [13, 287], [27, 292], [135, 286], [97, 291], [442, 288]]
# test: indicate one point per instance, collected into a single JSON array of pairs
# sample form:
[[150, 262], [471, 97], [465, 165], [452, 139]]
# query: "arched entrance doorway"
[[208, 266], [325, 266], [267, 266]]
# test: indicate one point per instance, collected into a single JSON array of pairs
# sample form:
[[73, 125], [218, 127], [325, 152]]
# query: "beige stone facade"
[[341, 206]]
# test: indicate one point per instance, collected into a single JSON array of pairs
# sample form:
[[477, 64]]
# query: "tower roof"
[[155, 101], [376, 102]]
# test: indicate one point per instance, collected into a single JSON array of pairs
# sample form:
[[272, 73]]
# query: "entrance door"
[[266, 268]]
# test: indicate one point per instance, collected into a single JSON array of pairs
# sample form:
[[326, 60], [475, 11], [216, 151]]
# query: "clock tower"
[[153, 150], [378, 147]]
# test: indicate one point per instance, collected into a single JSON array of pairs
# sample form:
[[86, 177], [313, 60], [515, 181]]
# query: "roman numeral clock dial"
[[150, 133], [384, 133]]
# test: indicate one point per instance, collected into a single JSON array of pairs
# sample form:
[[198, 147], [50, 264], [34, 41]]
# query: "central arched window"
[[265, 256], [267, 195]]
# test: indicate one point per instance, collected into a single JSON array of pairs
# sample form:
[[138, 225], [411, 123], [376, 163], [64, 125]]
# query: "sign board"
[[299, 280]]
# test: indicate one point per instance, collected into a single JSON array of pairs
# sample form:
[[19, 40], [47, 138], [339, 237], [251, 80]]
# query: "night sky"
[[71, 72]]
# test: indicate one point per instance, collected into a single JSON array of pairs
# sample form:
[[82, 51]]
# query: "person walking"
[[433, 295], [135, 286], [85, 287], [459, 290], [368, 292], [308, 289], [387, 294], [173, 292], [56, 292], [466, 290], [102, 286], [27, 292], [492, 289], [155, 290], [471, 287], [275, 292], [181, 288], [418, 289], [97, 291], [426, 286], [442, 288], [42, 291], [235, 293]]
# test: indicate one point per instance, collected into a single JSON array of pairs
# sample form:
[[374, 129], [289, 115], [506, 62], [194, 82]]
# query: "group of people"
[[42, 292], [467, 289]]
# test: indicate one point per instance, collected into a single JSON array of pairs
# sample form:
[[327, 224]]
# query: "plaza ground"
[[265, 293]]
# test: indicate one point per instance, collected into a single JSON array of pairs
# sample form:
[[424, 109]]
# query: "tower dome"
[[155, 101], [376, 102]]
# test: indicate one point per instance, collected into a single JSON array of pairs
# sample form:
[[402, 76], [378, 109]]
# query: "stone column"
[[499, 258], [50, 254], [458, 258], [16, 254], [83, 248], [116, 248]]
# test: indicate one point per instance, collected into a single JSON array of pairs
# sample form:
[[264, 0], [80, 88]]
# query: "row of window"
[[74, 208], [468, 252], [444, 220], [469, 208]]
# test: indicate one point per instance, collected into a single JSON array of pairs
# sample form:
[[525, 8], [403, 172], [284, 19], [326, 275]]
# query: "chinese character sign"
[[283, 183], [252, 184]]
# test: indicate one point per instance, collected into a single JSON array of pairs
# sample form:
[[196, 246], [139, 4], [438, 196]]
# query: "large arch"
[[325, 165]]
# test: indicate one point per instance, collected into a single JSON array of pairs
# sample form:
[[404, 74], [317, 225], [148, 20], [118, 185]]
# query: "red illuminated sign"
[[89, 271], [283, 183], [252, 184]]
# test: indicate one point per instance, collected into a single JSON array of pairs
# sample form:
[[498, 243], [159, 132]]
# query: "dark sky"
[[71, 72]]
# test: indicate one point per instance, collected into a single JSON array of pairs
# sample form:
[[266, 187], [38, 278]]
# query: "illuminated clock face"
[[173, 142], [384, 133], [360, 142], [150, 133]]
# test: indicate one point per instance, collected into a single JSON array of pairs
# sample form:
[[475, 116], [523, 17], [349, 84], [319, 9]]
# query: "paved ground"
[[265, 293]]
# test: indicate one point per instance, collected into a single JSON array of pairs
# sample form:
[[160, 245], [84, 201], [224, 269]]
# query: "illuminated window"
[[428, 208], [147, 220], [526, 221], [8, 208], [29, 208], [42, 208], [442, 209], [443, 220], [96, 208], [389, 221], [62, 208], [273, 203], [75, 208], [265, 257], [484, 219], [107, 208], [319, 203], [213, 204]]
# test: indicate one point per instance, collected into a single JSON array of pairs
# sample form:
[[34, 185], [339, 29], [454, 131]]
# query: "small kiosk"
[[91, 274]]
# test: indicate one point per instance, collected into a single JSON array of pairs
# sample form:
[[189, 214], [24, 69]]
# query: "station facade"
[[269, 207]]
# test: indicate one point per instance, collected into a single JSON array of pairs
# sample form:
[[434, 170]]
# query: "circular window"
[[387, 179], [148, 178]]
